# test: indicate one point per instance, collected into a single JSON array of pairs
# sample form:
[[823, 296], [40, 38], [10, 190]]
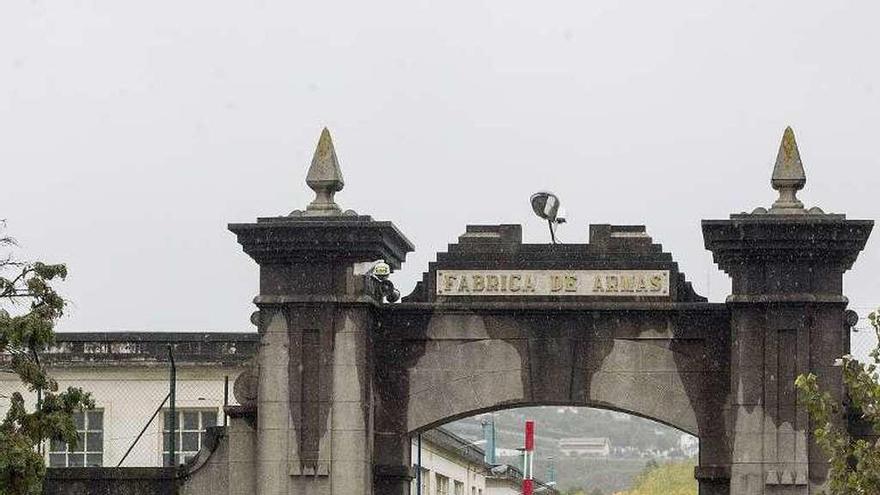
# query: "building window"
[[459, 488], [424, 475], [426, 481], [89, 448], [190, 433], [442, 485], [473, 490]]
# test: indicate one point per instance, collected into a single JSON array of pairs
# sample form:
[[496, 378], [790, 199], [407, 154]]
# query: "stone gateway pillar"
[[787, 318], [314, 406]]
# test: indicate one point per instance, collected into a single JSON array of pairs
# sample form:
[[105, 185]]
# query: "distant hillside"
[[644, 438]]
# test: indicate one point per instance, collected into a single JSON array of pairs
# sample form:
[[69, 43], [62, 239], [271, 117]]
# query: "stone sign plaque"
[[604, 283]]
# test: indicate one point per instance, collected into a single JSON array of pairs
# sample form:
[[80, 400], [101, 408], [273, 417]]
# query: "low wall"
[[107, 481], [218, 469]]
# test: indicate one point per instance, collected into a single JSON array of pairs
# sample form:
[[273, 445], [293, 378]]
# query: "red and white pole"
[[529, 459]]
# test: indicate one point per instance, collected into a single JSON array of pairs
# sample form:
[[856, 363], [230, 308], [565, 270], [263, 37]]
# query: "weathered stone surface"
[[448, 357], [788, 176], [245, 389], [324, 177], [109, 349], [122, 481], [498, 249]]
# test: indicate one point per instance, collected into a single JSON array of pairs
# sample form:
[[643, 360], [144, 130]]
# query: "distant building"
[[507, 480], [451, 465], [586, 447], [689, 445]]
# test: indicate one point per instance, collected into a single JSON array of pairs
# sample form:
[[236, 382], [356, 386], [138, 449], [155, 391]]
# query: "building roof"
[[514, 476], [154, 336], [598, 441], [109, 349], [456, 445]]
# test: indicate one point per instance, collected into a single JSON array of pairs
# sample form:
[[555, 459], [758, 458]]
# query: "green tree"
[[29, 307], [855, 462], [583, 491], [676, 478]]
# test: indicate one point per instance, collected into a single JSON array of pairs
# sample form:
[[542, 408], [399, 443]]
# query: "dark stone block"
[[110, 481], [280, 240], [108, 349], [500, 247]]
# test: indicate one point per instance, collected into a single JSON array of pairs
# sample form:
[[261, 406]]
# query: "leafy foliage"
[[855, 462], [676, 478], [29, 307], [583, 491]]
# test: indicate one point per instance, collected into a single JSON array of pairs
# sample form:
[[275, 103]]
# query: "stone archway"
[[439, 395], [665, 358], [343, 378]]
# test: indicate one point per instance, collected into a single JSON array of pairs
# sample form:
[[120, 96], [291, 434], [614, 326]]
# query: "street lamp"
[[546, 205]]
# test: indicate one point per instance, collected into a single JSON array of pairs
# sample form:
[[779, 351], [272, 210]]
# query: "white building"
[[451, 465], [128, 377], [587, 447], [689, 445], [508, 481]]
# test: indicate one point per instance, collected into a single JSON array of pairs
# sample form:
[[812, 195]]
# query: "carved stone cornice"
[[754, 239], [500, 247], [282, 240]]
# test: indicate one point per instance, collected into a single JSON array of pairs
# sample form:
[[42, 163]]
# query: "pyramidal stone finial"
[[788, 177], [325, 178]]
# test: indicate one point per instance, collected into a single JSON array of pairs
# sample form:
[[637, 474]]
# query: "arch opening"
[[577, 449]]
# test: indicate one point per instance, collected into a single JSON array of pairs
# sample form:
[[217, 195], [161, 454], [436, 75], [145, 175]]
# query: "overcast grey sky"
[[132, 132]]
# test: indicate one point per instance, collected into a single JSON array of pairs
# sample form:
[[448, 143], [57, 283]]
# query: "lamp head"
[[546, 205]]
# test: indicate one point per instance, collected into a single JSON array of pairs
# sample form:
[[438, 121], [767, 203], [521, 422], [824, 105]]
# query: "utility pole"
[[172, 428], [488, 424], [551, 471]]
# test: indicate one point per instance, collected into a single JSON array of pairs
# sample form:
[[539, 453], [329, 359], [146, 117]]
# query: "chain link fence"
[[129, 376], [863, 338], [131, 422]]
